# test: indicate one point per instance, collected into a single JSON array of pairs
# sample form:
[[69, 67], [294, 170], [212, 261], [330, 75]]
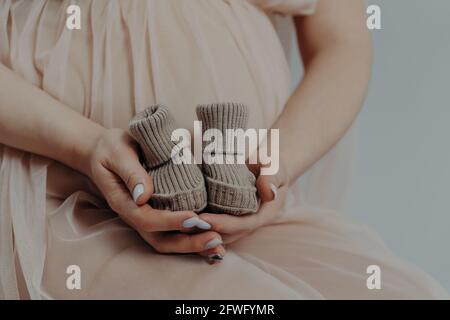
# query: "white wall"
[[401, 185]]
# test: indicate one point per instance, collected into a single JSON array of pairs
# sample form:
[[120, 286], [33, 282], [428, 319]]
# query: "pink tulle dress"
[[127, 56]]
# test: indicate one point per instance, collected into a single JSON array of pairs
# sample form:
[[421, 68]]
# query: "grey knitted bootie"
[[231, 187], [177, 187]]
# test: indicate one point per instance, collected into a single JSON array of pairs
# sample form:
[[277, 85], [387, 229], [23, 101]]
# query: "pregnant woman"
[[73, 193]]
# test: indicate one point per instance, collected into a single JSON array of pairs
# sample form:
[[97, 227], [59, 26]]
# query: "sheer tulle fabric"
[[128, 55]]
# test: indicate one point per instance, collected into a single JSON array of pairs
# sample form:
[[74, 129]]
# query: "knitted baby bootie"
[[231, 187], [177, 187]]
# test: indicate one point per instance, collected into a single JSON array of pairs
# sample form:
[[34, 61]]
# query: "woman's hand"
[[114, 166], [272, 192]]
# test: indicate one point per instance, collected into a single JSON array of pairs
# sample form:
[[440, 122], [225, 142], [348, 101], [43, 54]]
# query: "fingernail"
[[274, 191], [213, 243], [138, 191], [202, 224], [191, 222], [215, 256]]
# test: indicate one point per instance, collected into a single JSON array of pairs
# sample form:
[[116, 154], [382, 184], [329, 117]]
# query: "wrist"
[[81, 154]]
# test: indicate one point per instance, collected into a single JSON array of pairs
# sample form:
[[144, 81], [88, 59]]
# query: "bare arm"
[[33, 121], [336, 50], [337, 53]]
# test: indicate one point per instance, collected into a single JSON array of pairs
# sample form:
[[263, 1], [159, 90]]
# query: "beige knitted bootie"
[[231, 187], [177, 187]]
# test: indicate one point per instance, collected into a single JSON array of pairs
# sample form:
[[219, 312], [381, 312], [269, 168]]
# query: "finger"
[[114, 191], [215, 255], [145, 218], [148, 219], [135, 177], [228, 224], [186, 243], [230, 238], [267, 187]]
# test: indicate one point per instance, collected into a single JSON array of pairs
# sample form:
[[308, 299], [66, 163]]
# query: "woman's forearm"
[[325, 104], [33, 121], [322, 108]]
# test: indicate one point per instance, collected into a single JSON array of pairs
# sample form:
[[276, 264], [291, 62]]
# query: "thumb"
[[137, 180], [267, 187]]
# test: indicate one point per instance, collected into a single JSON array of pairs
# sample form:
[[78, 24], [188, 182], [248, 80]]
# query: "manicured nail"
[[202, 224], [191, 222], [215, 256], [213, 243], [138, 191], [274, 191]]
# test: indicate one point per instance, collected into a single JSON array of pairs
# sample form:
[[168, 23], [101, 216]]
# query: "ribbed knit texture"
[[223, 116], [177, 187], [231, 187], [153, 128]]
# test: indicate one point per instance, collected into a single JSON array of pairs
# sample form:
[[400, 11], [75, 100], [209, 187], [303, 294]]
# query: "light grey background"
[[401, 183]]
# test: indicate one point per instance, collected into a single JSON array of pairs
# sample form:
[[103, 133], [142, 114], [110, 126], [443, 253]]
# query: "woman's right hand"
[[108, 156], [113, 165]]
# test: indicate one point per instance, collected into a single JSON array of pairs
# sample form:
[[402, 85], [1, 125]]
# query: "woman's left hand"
[[272, 192]]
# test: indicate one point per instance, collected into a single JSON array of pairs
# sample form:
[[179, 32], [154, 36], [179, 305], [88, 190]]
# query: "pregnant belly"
[[129, 55]]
